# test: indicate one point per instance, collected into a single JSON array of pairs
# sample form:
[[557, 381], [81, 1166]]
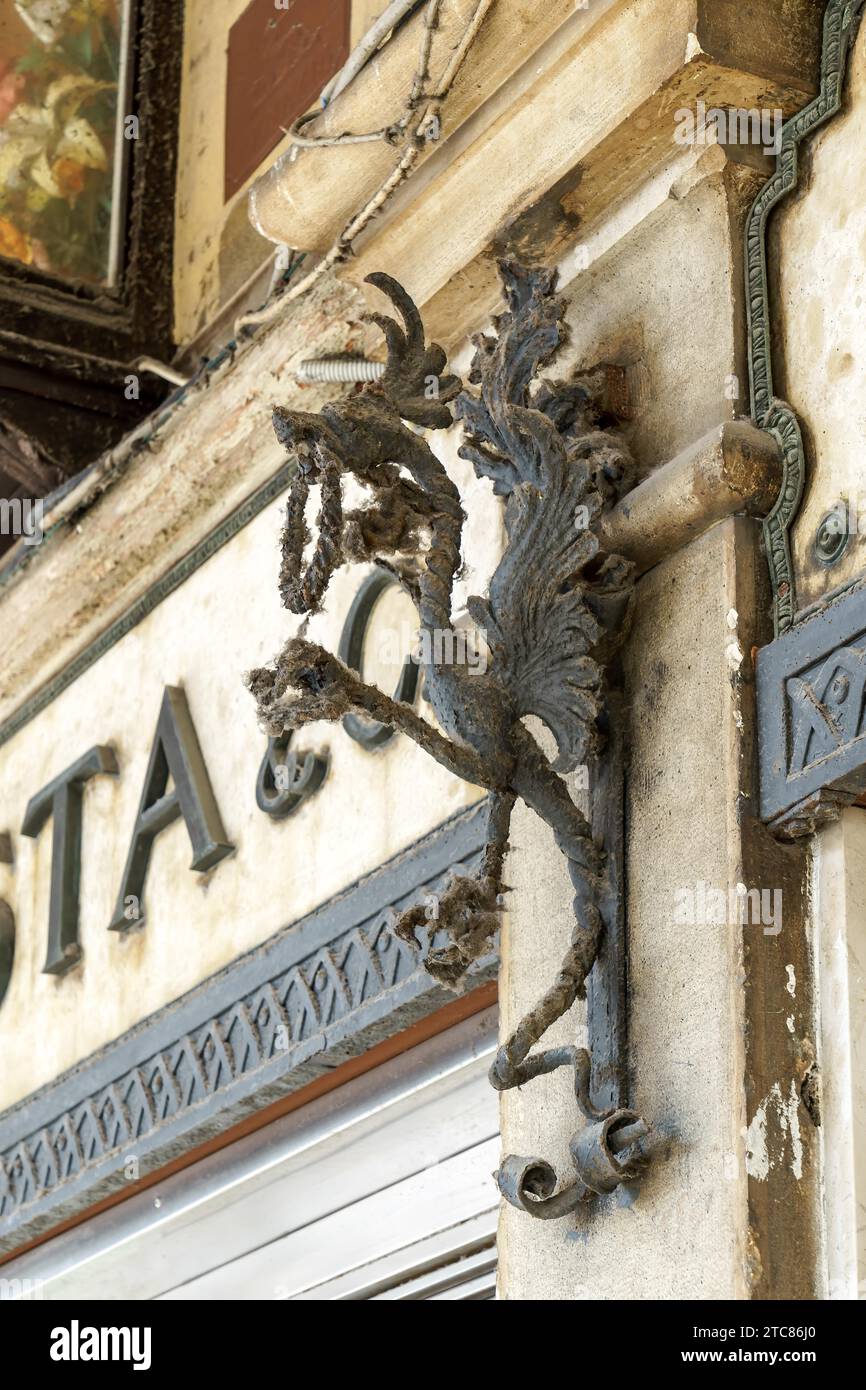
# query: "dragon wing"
[[548, 625]]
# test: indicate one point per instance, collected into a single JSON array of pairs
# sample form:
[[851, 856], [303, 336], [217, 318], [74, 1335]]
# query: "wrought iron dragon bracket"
[[556, 613]]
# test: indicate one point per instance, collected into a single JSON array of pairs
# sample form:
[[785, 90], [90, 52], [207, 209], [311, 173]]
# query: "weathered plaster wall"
[[635, 305], [820, 261], [578, 129], [820, 242]]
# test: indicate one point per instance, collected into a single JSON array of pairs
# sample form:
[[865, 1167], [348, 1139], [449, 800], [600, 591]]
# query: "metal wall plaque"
[[811, 684]]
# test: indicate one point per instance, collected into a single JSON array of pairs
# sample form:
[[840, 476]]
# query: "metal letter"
[[177, 754], [62, 799], [371, 734]]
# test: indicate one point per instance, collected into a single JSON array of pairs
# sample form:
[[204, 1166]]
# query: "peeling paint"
[[693, 48], [791, 986], [789, 1118], [759, 1160], [734, 654]]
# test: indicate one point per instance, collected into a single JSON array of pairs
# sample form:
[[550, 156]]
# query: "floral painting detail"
[[59, 76]]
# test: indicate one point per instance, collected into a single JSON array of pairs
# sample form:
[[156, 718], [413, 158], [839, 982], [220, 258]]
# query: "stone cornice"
[[552, 150]]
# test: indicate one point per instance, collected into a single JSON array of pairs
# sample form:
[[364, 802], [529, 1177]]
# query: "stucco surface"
[[636, 306]]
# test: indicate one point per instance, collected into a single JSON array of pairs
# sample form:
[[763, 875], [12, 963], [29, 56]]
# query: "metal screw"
[[832, 536]]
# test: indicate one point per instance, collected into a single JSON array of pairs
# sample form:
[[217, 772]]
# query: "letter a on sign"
[[176, 753]]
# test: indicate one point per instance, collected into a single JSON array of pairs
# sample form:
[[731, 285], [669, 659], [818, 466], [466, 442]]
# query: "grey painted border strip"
[[336, 982], [151, 599]]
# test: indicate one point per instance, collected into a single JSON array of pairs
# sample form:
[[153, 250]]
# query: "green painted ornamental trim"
[[841, 22]]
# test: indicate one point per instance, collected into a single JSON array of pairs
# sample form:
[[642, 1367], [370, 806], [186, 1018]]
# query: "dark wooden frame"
[[65, 349]]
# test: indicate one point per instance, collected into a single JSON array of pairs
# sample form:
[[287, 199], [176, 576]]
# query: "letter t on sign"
[[62, 798], [176, 753]]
